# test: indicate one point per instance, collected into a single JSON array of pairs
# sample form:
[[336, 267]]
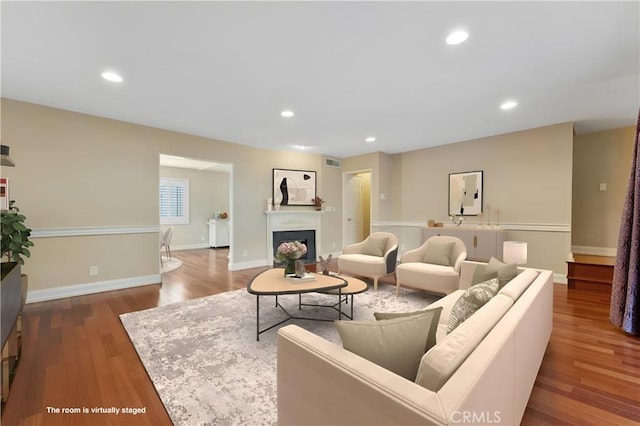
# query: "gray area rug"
[[205, 363]]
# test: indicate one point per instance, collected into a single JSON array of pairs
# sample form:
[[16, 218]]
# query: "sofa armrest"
[[321, 383]]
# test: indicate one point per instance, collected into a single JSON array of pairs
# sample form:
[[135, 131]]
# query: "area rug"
[[204, 360], [169, 265]]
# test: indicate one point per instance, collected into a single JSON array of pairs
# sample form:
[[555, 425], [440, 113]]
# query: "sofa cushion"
[[375, 245], [472, 300], [433, 327], [442, 360], [396, 344], [439, 253], [506, 271]]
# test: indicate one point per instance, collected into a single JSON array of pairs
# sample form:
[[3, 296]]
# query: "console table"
[[13, 293]]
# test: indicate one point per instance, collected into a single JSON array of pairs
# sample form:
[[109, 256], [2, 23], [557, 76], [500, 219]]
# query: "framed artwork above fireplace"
[[294, 187]]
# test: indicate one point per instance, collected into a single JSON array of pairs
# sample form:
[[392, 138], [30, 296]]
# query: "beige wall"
[[208, 192], [603, 157], [78, 171], [527, 176]]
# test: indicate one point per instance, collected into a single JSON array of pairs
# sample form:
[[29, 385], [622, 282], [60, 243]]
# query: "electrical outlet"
[[245, 253], [93, 270], [201, 237], [333, 245]]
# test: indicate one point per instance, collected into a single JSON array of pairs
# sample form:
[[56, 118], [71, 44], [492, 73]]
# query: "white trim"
[[560, 279], [540, 227], [595, 251], [188, 247], [94, 230], [247, 265], [91, 288]]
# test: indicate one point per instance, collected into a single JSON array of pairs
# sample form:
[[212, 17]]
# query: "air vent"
[[330, 162]]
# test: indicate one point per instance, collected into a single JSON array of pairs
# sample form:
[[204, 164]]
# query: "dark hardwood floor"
[[77, 356]]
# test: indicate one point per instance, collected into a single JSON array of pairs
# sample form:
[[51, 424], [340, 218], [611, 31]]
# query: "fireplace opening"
[[306, 237]]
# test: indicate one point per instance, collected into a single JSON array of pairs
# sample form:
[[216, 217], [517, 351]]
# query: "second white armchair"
[[434, 266]]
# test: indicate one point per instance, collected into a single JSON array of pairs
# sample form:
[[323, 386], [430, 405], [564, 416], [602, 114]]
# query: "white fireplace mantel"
[[292, 220]]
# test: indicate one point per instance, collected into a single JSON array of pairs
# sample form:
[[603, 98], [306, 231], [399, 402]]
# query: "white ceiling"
[[348, 70]]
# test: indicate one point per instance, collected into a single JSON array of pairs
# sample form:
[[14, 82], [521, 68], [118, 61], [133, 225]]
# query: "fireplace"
[[306, 237], [294, 225]]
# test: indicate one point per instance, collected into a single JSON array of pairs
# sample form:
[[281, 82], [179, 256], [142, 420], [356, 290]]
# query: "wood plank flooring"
[[76, 355]]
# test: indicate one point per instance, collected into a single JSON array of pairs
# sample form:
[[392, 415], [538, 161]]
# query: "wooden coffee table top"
[[273, 282], [354, 286]]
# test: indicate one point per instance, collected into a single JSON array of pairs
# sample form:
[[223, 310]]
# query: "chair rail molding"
[[93, 230]]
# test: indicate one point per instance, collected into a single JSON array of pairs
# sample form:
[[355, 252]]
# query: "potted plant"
[[15, 235], [317, 202]]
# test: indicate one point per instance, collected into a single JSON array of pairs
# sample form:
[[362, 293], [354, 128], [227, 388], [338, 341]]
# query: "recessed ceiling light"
[[301, 147], [508, 105], [287, 113], [112, 76], [370, 139], [457, 37]]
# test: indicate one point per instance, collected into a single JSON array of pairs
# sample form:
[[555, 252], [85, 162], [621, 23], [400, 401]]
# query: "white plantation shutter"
[[174, 201]]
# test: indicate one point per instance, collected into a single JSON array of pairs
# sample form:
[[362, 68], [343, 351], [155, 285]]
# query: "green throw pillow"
[[395, 344], [506, 271], [374, 246], [471, 300], [439, 253], [483, 273], [431, 339]]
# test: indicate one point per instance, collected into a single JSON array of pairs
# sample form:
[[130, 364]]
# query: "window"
[[174, 201]]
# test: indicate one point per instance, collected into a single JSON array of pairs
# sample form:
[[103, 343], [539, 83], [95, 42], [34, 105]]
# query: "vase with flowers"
[[288, 252], [317, 202]]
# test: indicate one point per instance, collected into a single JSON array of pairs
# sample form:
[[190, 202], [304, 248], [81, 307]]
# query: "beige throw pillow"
[[375, 245], [483, 273], [395, 344], [438, 253], [431, 338], [506, 271]]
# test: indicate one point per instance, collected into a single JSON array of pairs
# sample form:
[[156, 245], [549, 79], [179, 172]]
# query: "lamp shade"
[[514, 252]]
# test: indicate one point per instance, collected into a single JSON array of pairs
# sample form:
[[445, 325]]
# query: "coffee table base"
[[300, 304]]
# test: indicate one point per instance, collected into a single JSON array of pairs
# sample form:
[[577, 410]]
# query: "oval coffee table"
[[272, 282]]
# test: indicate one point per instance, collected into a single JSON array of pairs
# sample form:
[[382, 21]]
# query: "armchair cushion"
[[375, 245], [439, 253], [396, 344]]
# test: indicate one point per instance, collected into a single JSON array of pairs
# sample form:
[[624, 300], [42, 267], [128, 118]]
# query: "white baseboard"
[[595, 251], [560, 279], [188, 247], [90, 288], [237, 266]]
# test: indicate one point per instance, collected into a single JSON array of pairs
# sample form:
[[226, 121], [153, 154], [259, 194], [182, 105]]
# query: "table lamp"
[[514, 252]]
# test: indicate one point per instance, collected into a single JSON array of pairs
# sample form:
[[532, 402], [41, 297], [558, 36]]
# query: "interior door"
[[353, 210]]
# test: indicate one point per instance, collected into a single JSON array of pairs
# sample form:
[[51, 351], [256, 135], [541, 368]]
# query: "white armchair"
[[434, 266], [375, 257]]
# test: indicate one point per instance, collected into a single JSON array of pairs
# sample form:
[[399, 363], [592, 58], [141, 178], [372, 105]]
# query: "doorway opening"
[[207, 186], [356, 224]]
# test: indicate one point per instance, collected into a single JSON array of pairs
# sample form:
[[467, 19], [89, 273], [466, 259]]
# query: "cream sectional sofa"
[[481, 373]]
